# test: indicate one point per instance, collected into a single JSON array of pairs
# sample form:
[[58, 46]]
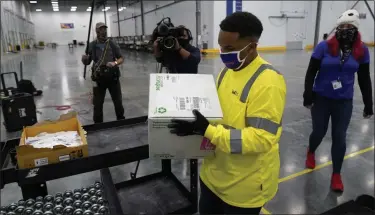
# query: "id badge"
[[336, 85]]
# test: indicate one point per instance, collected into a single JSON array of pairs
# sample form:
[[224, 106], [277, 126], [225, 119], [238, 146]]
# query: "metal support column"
[[142, 18], [118, 19], [105, 14], [369, 8], [198, 24], [317, 22]]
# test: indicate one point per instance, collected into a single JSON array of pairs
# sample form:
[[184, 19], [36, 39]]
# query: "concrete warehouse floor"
[[58, 72]]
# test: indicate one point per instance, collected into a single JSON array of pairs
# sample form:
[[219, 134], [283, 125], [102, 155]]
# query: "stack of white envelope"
[[49, 140]]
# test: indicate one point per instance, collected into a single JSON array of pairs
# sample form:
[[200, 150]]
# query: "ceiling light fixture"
[[88, 9], [54, 2], [38, 10], [33, 2], [74, 6], [55, 9], [72, 9]]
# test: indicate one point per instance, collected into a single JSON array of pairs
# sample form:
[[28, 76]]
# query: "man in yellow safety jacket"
[[243, 173]]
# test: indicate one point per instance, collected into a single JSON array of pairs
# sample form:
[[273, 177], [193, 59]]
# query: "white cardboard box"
[[174, 96]]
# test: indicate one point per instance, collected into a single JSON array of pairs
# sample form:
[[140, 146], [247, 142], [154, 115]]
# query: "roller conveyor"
[[111, 144]]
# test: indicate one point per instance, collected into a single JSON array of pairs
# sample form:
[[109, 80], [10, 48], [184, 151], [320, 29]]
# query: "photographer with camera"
[[105, 73], [173, 50]]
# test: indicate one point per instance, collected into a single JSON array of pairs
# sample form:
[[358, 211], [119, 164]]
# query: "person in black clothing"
[[107, 57], [184, 59]]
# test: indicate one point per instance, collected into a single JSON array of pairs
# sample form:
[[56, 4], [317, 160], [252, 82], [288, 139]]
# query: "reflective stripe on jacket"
[[244, 170]]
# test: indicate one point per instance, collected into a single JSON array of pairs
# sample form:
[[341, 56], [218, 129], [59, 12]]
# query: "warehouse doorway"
[[294, 33]]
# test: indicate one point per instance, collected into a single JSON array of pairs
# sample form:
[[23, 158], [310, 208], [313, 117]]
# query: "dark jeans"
[[340, 112], [114, 89], [209, 203]]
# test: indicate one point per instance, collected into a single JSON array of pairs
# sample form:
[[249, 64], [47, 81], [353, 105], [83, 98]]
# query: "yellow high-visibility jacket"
[[244, 169]]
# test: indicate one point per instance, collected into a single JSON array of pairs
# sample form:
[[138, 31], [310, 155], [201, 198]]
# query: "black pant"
[[114, 88], [209, 203], [340, 112]]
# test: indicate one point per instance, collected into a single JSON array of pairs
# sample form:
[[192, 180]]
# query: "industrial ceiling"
[[80, 5]]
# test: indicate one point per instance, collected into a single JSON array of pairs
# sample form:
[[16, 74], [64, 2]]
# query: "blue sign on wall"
[[229, 7], [238, 5]]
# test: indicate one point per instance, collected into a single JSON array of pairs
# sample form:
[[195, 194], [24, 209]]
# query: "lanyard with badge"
[[336, 84]]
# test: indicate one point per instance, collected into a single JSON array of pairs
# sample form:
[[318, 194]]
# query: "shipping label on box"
[[174, 96]]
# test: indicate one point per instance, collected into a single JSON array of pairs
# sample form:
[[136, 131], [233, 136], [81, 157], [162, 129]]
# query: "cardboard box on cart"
[[30, 157], [174, 96]]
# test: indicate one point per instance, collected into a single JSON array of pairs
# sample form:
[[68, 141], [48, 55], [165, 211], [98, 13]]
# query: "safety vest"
[[244, 170]]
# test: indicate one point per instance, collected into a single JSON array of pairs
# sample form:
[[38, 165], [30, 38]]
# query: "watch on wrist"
[[116, 63]]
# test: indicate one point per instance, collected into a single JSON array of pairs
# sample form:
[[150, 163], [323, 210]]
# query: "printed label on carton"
[[64, 158], [41, 162], [207, 145], [191, 103]]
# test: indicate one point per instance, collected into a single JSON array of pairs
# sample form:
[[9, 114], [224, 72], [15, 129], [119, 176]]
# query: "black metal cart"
[[124, 197]]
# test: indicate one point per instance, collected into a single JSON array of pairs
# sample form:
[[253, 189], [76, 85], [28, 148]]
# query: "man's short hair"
[[244, 23]]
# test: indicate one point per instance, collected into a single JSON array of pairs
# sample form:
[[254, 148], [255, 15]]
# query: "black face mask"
[[346, 36], [183, 42]]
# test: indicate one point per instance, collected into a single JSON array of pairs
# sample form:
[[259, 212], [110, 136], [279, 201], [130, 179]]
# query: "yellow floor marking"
[[303, 172]]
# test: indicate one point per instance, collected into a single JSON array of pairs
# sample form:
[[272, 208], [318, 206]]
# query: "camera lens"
[[76, 190], [169, 42], [88, 212], [11, 213]]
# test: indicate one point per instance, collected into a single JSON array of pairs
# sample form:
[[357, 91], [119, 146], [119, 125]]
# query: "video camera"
[[167, 34]]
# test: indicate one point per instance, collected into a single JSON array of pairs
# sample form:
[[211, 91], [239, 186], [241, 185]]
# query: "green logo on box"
[[162, 110]]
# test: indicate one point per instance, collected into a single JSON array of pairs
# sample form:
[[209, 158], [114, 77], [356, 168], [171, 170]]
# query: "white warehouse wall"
[[277, 31], [16, 24], [331, 10], [47, 26], [181, 13]]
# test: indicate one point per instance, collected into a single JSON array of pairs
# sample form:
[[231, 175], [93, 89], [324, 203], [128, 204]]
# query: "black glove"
[[185, 128], [368, 112]]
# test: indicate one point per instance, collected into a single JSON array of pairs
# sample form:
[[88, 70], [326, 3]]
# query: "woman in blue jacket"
[[329, 92]]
